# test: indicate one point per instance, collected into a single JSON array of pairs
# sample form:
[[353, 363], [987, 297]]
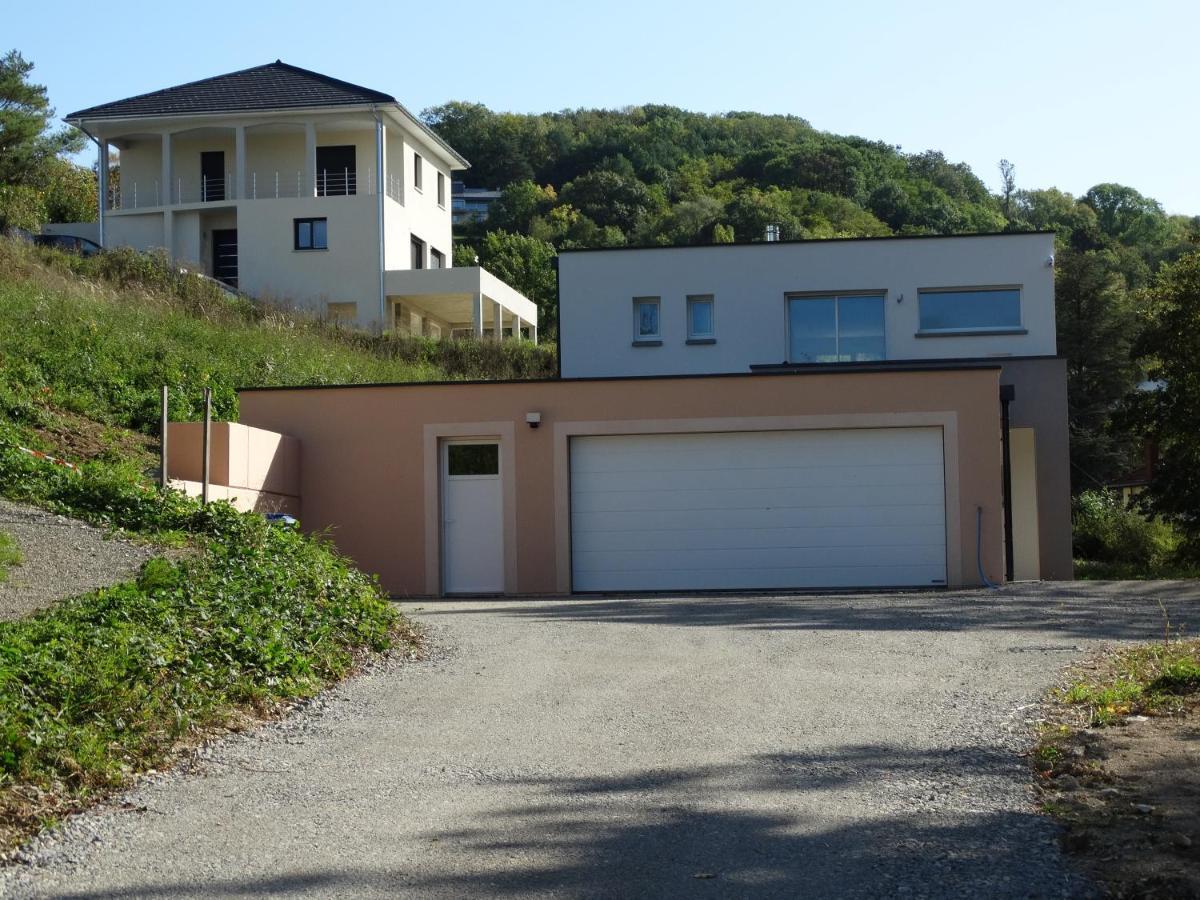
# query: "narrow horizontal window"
[[310, 234], [970, 310], [701, 321], [645, 319]]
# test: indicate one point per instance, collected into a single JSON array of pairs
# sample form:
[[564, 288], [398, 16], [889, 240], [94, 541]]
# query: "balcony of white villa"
[[216, 165]]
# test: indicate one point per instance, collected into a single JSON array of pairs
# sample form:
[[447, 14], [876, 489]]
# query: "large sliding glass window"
[[836, 328]]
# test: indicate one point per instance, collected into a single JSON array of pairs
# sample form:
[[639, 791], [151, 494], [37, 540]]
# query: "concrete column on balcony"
[[167, 175], [310, 160], [497, 322], [239, 163], [477, 314], [516, 327]]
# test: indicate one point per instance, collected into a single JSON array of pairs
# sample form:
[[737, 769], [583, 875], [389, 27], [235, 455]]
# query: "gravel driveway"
[[61, 558], [720, 747]]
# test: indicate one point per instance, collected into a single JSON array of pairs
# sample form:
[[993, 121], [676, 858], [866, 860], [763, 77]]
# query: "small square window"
[[417, 174], [701, 320], [645, 319], [310, 234]]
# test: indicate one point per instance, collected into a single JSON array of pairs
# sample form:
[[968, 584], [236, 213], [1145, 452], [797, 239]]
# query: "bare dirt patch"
[[1127, 788]]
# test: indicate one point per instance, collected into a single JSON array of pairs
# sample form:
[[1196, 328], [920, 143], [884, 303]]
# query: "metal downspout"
[[1008, 393], [379, 190]]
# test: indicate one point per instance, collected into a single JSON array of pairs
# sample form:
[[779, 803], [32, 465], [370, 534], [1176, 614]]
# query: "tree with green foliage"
[[527, 264], [26, 138], [36, 185], [1169, 413], [1097, 325]]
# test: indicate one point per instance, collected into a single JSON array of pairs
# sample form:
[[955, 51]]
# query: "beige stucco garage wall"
[[369, 473]]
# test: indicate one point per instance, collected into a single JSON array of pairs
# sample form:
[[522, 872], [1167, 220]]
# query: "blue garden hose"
[[979, 549]]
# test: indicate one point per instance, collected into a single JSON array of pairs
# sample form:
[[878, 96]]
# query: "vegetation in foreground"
[[107, 685], [1116, 767], [1115, 540], [10, 554]]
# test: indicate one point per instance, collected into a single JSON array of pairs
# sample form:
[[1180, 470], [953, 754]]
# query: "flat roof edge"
[[793, 241], [772, 370]]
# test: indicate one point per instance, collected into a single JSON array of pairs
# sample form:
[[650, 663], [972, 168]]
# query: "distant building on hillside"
[[468, 204], [290, 184]]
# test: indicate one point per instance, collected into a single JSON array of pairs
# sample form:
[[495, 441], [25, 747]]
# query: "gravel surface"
[[61, 558], [852, 746]]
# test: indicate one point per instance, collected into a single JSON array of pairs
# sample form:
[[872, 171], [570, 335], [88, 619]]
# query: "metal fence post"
[[207, 441], [162, 450]]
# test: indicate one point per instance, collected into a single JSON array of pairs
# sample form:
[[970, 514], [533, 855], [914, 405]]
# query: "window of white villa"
[[437, 259], [441, 190], [960, 311], [417, 174], [646, 320], [701, 321], [835, 328], [418, 253], [310, 234]]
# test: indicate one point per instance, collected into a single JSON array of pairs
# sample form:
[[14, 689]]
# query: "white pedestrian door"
[[751, 510], [472, 518]]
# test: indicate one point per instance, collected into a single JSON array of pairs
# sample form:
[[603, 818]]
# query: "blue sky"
[[1074, 93]]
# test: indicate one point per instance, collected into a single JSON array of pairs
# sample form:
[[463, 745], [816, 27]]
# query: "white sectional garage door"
[[765, 509]]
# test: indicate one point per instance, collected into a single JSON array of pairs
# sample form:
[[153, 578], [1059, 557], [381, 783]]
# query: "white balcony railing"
[[260, 185]]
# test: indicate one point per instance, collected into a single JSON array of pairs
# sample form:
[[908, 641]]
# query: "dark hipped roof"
[[276, 85]]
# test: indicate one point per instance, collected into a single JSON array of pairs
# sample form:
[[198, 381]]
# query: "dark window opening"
[[418, 253], [473, 459], [212, 175], [437, 259], [336, 171], [311, 234]]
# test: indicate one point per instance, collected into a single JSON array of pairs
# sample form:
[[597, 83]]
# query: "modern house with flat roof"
[[840, 414], [301, 188]]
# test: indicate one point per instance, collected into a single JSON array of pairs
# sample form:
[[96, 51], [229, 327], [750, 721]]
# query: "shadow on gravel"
[[907, 828], [1119, 611]]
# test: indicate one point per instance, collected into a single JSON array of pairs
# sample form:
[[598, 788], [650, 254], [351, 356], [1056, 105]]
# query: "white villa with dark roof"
[[300, 188]]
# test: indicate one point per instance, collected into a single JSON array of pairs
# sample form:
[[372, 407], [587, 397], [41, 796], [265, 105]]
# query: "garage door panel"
[[687, 560], [704, 539], [837, 508], [748, 450], [763, 477], [863, 496], [765, 579], [737, 520]]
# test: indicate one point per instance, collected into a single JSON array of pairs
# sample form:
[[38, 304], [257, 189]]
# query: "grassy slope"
[[96, 338], [103, 686]]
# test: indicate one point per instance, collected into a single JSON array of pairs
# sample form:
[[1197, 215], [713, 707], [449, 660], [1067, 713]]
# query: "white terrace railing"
[[259, 186]]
